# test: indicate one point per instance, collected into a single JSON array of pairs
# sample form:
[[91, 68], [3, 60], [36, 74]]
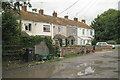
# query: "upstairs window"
[[28, 27], [46, 28], [59, 29], [91, 32], [83, 31]]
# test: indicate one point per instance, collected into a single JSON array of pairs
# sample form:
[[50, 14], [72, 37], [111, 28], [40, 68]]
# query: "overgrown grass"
[[65, 56], [56, 59], [71, 55]]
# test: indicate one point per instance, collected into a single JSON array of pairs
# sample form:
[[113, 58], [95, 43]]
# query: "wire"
[[68, 7]]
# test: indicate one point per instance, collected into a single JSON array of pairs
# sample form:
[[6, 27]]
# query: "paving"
[[95, 65]]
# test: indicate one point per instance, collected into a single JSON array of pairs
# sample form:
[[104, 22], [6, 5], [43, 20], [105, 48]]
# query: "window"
[[56, 42], [91, 33], [83, 41], [59, 29], [83, 31], [46, 28], [28, 27]]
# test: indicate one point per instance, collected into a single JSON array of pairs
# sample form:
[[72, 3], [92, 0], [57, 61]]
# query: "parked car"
[[105, 44]]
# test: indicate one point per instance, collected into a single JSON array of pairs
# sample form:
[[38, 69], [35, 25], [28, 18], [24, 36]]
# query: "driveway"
[[96, 65]]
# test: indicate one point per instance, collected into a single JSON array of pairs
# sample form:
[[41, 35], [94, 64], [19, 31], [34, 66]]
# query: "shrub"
[[31, 41], [60, 41], [94, 42]]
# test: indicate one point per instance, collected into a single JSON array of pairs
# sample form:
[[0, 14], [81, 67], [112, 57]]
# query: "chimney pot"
[[75, 19], [24, 8], [66, 17], [41, 11], [54, 14], [83, 21]]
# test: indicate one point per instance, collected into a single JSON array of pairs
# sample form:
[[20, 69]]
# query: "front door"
[[72, 42]]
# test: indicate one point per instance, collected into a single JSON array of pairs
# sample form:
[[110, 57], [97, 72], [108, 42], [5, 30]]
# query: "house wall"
[[56, 31], [85, 38], [37, 28], [72, 31]]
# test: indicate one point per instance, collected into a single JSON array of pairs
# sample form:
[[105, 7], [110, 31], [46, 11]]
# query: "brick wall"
[[87, 49]]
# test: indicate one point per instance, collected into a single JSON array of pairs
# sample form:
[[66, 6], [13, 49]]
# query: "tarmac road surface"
[[96, 65]]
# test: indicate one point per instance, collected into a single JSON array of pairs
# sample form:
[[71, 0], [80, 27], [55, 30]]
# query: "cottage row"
[[76, 32]]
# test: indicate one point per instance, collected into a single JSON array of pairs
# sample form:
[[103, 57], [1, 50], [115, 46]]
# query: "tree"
[[10, 28], [16, 7], [35, 10], [106, 26]]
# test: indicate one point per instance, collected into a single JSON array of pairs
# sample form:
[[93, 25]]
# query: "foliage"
[[94, 42], [70, 55], [15, 6], [60, 41], [34, 9], [106, 26], [87, 44], [49, 41], [111, 42], [54, 60], [31, 41], [66, 41], [10, 28]]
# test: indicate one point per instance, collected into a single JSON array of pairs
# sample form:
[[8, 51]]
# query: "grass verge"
[[65, 56]]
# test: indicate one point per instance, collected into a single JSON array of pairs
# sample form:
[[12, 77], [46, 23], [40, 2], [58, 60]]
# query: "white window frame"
[[83, 31], [28, 27], [59, 29], [47, 27]]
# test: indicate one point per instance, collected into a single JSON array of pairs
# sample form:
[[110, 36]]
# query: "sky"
[[82, 9]]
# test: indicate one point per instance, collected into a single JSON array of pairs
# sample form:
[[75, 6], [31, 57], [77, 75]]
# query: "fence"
[[12, 52]]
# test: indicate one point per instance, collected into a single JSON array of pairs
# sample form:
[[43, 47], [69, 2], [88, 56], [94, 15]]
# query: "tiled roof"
[[50, 19]]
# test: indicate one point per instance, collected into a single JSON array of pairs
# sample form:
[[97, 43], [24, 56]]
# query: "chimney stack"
[[54, 14], [83, 21], [75, 19], [41, 11], [24, 8], [66, 17]]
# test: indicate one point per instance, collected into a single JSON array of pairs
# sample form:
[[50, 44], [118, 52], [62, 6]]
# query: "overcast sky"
[[82, 9]]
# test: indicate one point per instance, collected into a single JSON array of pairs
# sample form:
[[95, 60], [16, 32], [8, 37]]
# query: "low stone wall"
[[83, 50], [77, 50], [97, 49], [106, 47], [70, 50]]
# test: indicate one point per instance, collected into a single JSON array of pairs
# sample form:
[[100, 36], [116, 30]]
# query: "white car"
[[105, 44]]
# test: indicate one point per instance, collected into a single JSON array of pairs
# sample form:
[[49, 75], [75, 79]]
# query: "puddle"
[[88, 70], [67, 62], [112, 61], [116, 57], [41, 71], [91, 70], [103, 68], [117, 71], [81, 64], [98, 62], [106, 56]]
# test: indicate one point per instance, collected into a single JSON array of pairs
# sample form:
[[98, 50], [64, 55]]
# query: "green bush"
[[60, 41], [31, 41], [111, 42], [49, 41], [70, 55], [66, 41], [94, 42]]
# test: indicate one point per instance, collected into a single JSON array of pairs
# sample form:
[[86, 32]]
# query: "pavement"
[[95, 65]]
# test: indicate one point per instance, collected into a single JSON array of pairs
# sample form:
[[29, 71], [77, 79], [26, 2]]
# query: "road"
[[95, 65]]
